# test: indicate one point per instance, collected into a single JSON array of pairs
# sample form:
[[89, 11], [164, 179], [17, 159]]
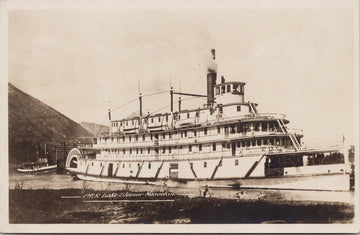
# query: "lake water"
[[60, 181]]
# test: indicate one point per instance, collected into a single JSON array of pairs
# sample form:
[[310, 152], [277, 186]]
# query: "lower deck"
[[259, 168]]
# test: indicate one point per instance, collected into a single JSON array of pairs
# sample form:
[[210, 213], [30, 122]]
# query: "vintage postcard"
[[180, 116]]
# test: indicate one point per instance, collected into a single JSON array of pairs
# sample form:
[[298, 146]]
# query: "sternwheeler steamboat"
[[225, 143]]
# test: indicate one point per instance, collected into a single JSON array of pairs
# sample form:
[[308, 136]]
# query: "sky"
[[299, 62]]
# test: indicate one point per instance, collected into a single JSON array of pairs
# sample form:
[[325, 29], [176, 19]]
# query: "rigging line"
[[102, 126], [161, 92], [123, 105], [160, 109], [175, 103]]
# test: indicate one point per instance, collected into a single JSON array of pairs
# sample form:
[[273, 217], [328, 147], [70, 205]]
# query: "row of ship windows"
[[239, 128], [227, 88], [126, 123], [236, 162], [239, 144]]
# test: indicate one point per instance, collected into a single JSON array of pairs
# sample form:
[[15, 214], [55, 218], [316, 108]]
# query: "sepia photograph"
[[180, 116]]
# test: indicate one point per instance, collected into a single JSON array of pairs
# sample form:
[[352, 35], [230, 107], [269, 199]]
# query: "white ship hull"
[[226, 143], [333, 182], [37, 169]]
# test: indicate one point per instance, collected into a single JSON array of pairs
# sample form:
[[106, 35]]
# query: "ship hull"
[[321, 182], [39, 169]]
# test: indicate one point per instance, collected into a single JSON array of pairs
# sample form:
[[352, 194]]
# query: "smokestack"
[[211, 79]]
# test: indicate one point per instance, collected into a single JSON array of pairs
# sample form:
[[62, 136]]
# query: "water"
[[59, 181]]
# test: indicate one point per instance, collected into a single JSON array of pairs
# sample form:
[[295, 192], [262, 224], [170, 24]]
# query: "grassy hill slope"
[[31, 122]]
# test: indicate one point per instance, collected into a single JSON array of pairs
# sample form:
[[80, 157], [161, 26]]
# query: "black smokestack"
[[211, 79]]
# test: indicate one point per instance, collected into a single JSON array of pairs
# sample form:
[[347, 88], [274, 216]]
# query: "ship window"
[[219, 129], [143, 137], [214, 146], [92, 164], [238, 144], [132, 122], [228, 88], [126, 122], [169, 149], [149, 165], [100, 164], [190, 148], [205, 131], [152, 120], [130, 150], [163, 135], [253, 142], [179, 117], [124, 165], [223, 89], [148, 150], [123, 151], [188, 115], [181, 134], [129, 138], [248, 143], [180, 147], [194, 132], [129, 165], [200, 147], [217, 90], [159, 119], [169, 135], [124, 138], [136, 137], [238, 108], [137, 151], [185, 133], [220, 109], [236, 88], [151, 136], [163, 150], [205, 164], [243, 143], [236, 162]]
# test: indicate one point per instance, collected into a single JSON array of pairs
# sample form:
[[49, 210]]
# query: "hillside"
[[94, 128], [31, 122]]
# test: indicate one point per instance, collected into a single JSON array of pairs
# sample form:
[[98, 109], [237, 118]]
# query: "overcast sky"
[[299, 62]]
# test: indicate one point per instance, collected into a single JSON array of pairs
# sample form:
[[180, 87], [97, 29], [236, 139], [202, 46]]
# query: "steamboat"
[[225, 143]]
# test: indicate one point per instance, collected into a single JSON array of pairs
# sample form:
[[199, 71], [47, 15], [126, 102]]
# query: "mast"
[[171, 99], [140, 103], [110, 121]]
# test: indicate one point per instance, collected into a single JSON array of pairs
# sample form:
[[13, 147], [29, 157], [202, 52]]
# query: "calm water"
[[58, 181]]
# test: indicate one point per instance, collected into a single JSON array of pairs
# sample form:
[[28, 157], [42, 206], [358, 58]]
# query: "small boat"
[[40, 165], [31, 167]]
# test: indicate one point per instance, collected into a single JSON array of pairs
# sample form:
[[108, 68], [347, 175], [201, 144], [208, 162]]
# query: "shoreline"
[[48, 206]]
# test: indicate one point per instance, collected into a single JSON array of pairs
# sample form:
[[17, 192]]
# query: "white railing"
[[324, 146]]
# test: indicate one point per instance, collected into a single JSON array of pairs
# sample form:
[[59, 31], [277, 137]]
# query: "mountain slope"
[[31, 122], [94, 128]]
